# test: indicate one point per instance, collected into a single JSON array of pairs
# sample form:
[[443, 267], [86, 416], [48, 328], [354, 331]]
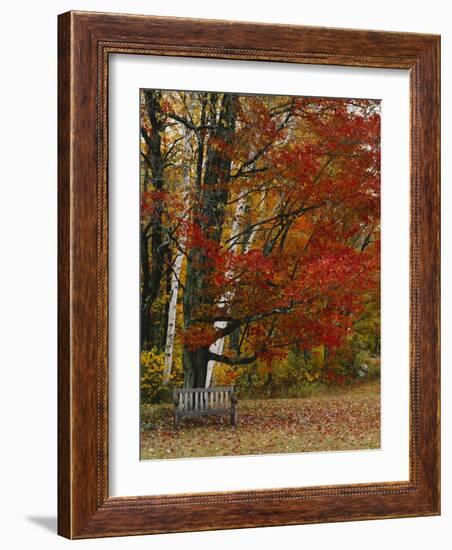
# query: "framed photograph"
[[248, 275]]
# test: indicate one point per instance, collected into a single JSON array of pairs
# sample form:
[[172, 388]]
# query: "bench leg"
[[234, 417], [176, 419]]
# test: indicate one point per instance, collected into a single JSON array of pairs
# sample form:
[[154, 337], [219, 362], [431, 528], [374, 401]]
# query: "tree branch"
[[189, 124], [238, 360]]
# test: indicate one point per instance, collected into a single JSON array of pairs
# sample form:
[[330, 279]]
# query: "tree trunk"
[[153, 249], [175, 277], [195, 367], [171, 327], [144, 302], [218, 345]]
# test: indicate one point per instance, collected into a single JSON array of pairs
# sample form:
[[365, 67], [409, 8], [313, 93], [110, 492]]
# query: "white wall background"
[[28, 271]]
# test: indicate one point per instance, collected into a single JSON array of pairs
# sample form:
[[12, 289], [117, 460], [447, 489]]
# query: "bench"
[[205, 402]]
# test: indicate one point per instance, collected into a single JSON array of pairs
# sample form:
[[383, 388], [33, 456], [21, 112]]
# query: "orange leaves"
[[207, 249], [199, 335], [152, 202], [166, 106], [221, 146], [272, 354]]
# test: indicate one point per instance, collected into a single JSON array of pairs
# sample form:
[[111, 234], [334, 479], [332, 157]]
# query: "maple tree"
[[260, 216]]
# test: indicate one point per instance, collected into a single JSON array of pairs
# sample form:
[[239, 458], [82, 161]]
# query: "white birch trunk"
[[218, 345], [175, 277], [172, 308]]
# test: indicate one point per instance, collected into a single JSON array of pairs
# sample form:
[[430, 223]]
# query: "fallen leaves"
[[347, 418]]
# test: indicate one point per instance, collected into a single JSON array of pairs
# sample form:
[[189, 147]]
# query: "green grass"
[[339, 418]]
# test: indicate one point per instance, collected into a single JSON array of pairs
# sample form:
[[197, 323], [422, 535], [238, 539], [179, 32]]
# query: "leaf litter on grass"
[[346, 418]]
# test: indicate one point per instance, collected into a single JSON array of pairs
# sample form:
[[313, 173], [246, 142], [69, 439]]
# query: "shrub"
[[286, 377], [152, 363], [225, 375]]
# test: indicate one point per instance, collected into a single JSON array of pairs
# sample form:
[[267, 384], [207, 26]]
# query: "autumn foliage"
[[272, 205]]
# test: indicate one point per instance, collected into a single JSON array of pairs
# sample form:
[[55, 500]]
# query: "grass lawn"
[[339, 418]]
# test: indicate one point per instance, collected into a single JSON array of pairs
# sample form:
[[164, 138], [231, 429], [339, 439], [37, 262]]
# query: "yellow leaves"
[[152, 366], [226, 375]]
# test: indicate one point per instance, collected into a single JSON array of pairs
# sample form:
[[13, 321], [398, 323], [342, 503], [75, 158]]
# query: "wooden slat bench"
[[205, 402]]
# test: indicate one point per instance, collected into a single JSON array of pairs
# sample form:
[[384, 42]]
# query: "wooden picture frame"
[[86, 40]]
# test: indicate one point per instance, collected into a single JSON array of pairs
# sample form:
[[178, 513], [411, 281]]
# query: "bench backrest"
[[204, 399]]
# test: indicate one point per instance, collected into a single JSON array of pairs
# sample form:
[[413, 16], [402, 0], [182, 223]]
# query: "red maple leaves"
[[292, 257]]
